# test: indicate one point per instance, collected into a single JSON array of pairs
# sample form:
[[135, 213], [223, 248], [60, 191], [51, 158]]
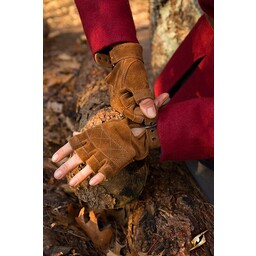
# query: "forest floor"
[[65, 49]]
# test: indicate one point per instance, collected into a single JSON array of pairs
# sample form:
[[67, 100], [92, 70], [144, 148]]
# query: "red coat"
[[185, 124]]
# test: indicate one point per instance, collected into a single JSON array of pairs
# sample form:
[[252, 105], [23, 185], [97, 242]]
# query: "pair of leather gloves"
[[109, 147]]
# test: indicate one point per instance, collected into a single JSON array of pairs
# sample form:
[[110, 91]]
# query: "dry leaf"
[[110, 253], [64, 56], [116, 251], [52, 81], [60, 218], [61, 250], [55, 106], [101, 239]]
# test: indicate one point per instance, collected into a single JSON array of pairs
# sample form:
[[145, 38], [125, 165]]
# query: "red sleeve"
[[185, 130], [207, 6], [106, 22]]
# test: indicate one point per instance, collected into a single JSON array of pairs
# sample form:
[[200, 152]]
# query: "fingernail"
[[73, 182], [151, 112], [55, 157], [93, 181], [58, 174]]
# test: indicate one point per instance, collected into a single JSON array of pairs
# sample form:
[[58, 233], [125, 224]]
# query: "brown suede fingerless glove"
[[109, 147], [128, 83]]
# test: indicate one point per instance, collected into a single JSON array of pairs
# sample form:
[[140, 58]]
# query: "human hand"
[[80, 156], [105, 148], [128, 84]]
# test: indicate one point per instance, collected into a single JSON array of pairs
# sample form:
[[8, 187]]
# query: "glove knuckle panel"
[[83, 153], [108, 171], [94, 162], [77, 141], [127, 99]]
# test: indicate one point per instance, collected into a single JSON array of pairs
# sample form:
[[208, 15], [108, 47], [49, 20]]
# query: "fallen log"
[[170, 212], [93, 108]]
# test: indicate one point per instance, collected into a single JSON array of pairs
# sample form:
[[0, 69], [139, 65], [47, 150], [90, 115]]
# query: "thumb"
[[147, 106]]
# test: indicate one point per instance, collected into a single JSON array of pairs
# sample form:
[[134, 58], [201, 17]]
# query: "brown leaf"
[[101, 239], [116, 251], [61, 218], [60, 250], [71, 211], [64, 56], [52, 81]]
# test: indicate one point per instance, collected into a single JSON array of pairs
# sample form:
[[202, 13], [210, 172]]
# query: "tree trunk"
[[171, 20]]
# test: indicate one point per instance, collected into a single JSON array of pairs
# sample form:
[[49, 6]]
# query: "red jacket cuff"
[[106, 22]]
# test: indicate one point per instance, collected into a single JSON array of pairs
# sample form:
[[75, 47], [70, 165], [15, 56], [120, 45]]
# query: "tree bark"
[[170, 212], [171, 21]]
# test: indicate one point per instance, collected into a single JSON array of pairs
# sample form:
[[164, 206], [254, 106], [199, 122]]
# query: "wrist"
[[111, 55], [124, 51]]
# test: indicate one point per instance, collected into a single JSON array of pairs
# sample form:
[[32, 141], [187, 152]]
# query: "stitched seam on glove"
[[86, 152], [136, 93], [76, 142], [108, 174], [128, 57], [115, 144], [127, 69], [132, 50], [99, 165]]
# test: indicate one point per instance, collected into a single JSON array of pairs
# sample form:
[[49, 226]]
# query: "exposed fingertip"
[[93, 182], [97, 179], [55, 157], [58, 174], [73, 182], [162, 100]]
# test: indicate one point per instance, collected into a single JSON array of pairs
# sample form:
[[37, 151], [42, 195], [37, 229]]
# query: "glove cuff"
[[118, 53], [125, 51]]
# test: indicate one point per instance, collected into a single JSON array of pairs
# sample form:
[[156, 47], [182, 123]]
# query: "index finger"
[[62, 153], [162, 100]]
